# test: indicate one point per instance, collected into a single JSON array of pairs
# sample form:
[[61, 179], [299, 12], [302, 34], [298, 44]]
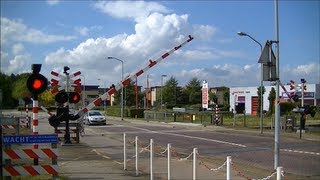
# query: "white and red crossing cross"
[[59, 84]]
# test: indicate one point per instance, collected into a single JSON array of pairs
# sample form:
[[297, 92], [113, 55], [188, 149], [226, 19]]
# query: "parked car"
[[94, 117]]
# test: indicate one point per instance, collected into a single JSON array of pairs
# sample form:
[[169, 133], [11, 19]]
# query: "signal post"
[[67, 95], [36, 84]]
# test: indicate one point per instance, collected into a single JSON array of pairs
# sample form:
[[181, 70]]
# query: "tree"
[[169, 92], [19, 87], [213, 97], [271, 98], [129, 96], [226, 103], [193, 90], [6, 89], [47, 98], [260, 98]]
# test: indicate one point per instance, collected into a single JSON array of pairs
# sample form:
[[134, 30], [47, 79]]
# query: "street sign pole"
[[277, 106], [67, 132]]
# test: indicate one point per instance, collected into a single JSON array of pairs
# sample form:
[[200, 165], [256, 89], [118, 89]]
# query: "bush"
[[286, 108], [139, 113]]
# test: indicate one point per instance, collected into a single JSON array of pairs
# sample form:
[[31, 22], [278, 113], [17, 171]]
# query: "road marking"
[[300, 152], [192, 137], [97, 152]]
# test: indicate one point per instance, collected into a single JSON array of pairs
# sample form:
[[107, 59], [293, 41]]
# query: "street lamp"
[[110, 57], [162, 76], [261, 82]]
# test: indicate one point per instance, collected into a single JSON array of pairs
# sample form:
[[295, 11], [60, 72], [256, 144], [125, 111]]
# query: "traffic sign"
[[30, 139], [268, 62]]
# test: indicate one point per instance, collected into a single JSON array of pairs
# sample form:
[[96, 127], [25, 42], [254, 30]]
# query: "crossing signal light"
[[61, 97], [74, 97], [71, 97], [36, 82]]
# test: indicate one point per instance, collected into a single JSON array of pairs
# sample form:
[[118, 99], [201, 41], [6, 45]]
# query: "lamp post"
[[162, 76], [110, 57], [261, 81]]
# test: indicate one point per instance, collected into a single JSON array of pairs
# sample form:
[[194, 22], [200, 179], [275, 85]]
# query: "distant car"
[[94, 117]]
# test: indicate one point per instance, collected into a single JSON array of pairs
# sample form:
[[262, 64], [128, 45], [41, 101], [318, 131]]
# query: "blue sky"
[[82, 34]]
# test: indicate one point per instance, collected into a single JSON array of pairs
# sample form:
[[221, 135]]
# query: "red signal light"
[[74, 97], [37, 83]]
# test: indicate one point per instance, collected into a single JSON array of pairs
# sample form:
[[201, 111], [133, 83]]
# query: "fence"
[[139, 148], [206, 117], [74, 129], [22, 168], [10, 125]]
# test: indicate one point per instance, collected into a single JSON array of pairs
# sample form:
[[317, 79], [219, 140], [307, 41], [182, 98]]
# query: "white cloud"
[[20, 61], [223, 74], [17, 49], [53, 2], [16, 31], [84, 31], [130, 9], [310, 72], [204, 32]]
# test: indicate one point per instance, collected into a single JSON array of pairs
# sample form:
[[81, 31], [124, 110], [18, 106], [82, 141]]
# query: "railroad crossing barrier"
[[74, 131], [197, 160], [9, 169], [10, 125]]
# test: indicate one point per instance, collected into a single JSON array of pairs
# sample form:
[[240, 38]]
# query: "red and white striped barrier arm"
[[285, 90], [8, 126], [30, 153], [46, 110], [130, 78], [30, 170]]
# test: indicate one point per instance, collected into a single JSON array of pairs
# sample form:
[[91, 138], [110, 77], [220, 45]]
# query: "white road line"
[[97, 152], [192, 137], [300, 152]]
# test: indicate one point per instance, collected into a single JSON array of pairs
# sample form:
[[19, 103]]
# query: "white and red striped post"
[[35, 123], [27, 116], [216, 114]]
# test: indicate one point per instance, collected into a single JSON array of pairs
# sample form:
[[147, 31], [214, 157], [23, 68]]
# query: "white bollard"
[[124, 152], [228, 167], [194, 166], [137, 156], [151, 159], [279, 170], [169, 163]]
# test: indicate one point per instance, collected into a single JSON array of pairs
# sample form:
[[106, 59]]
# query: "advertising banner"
[[205, 96]]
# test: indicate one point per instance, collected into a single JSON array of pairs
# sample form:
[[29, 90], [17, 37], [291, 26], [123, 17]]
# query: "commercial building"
[[246, 98]]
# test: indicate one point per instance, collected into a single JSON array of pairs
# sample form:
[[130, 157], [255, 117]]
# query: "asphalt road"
[[300, 158], [251, 152]]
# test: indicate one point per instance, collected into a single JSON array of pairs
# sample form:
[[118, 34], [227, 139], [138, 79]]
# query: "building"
[[246, 98], [220, 93], [91, 92]]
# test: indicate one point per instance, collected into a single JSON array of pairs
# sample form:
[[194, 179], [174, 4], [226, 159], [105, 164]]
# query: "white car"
[[94, 117]]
